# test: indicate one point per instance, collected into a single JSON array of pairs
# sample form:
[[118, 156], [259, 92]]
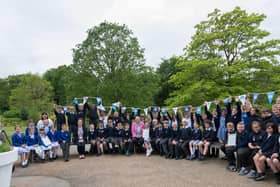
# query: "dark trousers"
[[164, 145], [138, 143], [65, 150], [172, 149], [230, 156], [127, 146], [81, 149], [242, 156], [183, 147]]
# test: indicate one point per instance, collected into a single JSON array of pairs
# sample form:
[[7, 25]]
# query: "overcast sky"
[[38, 35]]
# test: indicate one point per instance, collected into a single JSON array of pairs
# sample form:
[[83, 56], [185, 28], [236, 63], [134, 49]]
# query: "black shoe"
[[66, 160], [260, 177], [277, 175], [177, 158]]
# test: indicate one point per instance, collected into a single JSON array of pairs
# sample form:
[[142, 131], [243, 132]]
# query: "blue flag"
[[186, 109], [164, 111], [270, 96], [255, 97], [226, 100], [98, 101], [75, 101], [155, 109], [123, 109], [198, 110]]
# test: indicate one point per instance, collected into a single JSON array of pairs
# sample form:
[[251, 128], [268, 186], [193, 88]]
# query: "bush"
[[11, 114]]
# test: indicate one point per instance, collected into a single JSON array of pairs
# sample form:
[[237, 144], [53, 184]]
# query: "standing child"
[[64, 140], [80, 137], [53, 136], [127, 139], [19, 143], [208, 136], [101, 143], [92, 136], [60, 116], [196, 137], [230, 146], [71, 118], [265, 152], [109, 135], [146, 136]]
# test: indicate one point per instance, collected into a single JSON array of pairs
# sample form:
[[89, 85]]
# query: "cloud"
[[36, 36]]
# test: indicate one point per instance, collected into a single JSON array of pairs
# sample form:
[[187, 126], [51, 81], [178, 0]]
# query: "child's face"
[[46, 122], [53, 128], [42, 132], [81, 107], [234, 111], [174, 125], [63, 127], [185, 123], [253, 111], [256, 128], [269, 130], [229, 126], [119, 125], [100, 125], [126, 126], [196, 125], [165, 124], [31, 131], [207, 125], [240, 128], [18, 129], [80, 123], [91, 126], [110, 122], [31, 124], [204, 116], [71, 109]]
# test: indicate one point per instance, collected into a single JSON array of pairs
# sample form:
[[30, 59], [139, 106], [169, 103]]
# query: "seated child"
[[166, 134], [184, 139], [255, 140], [158, 135], [127, 139], [146, 136], [273, 161], [92, 135], [208, 136], [64, 141], [19, 143], [196, 137], [32, 141], [230, 148], [118, 135], [31, 125], [265, 152], [53, 136], [109, 136], [45, 146], [173, 141], [100, 142]]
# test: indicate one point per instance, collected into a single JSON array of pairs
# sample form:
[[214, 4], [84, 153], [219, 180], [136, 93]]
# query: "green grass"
[[4, 147]]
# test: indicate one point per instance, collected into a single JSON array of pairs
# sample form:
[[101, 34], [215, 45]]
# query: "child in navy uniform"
[[118, 135], [92, 136], [173, 141], [32, 141], [255, 140], [265, 151], [109, 136], [31, 125], [208, 136], [53, 136], [127, 139], [72, 119], [101, 143], [184, 139], [166, 134], [64, 140], [60, 116], [19, 143], [158, 135], [196, 137]]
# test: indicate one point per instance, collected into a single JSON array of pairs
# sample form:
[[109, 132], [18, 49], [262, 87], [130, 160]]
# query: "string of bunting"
[[116, 106]]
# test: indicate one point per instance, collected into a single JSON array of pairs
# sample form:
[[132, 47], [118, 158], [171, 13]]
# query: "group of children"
[[249, 138]]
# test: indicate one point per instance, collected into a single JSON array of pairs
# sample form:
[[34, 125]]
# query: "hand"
[[205, 103], [217, 102], [63, 141], [237, 99], [274, 155]]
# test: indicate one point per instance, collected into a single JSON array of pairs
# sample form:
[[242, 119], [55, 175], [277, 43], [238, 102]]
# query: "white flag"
[[175, 110], [208, 105]]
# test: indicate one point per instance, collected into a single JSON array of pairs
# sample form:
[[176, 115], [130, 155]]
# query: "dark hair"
[[269, 124], [44, 113], [208, 122]]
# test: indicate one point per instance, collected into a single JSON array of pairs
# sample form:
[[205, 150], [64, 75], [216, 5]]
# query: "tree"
[[165, 70], [112, 58], [32, 96], [229, 54]]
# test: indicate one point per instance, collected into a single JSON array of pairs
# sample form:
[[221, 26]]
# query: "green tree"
[[32, 96], [229, 54], [112, 58]]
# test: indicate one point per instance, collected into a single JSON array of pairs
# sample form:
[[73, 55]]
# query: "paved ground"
[[136, 170]]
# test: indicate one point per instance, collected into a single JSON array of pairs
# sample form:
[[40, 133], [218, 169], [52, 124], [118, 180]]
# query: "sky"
[[38, 35]]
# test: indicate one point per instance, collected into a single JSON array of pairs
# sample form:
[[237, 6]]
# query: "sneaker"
[[192, 157], [150, 151], [147, 152], [242, 171], [251, 174], [260, 177]]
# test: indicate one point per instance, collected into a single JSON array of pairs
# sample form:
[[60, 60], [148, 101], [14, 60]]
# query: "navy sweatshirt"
[[196, 134], [18, 139], [53, 136], [64, 136], [32, 140], [185, 134]]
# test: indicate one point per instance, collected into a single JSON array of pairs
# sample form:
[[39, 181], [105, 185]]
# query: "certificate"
[[231, 139]]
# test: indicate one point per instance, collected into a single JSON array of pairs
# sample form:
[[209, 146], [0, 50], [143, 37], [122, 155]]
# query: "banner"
[[75, 101], [164, 111], [208, 105], [135, 111], [123, 109], [146, 111], [98, 101], [65, 108], [255, 97], [186, 109], [175, 110], [270, 96], [242, 98], [116, 106], [101, 107], [226, 100], [198, 110], [155, 109]]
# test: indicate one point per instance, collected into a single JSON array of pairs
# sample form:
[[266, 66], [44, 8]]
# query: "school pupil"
[[265, 152], [100, 142], [127, 139], [173, 141], [256, 138], [118, 135], [19, 143], [185, 137], [64, 141], [44, 116], [195, 140], [157, 138], [45, 146], [31, 125], [53, 136], [234, 113], [92, 136], [229, 148], [109, 136], [166, 134], [147, 139], [208, 136], [80, 138], [32, 142], [92, 113], [273, 161], [71, 118], [60, 116]]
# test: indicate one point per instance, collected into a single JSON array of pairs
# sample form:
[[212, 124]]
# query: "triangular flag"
[[65, 108], [175, 110], [85, 100], [198, 110], [123, 109], [155, 109], [270, 96], [208, 105], [242, 98], [186, 109], [135, 111], [75, 101], [115, 106], [255, 97], [226, 100], [164, 111], [146, 111], [101, 107], [98, 101]]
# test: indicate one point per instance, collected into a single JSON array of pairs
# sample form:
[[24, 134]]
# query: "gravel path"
[[136, 170]]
